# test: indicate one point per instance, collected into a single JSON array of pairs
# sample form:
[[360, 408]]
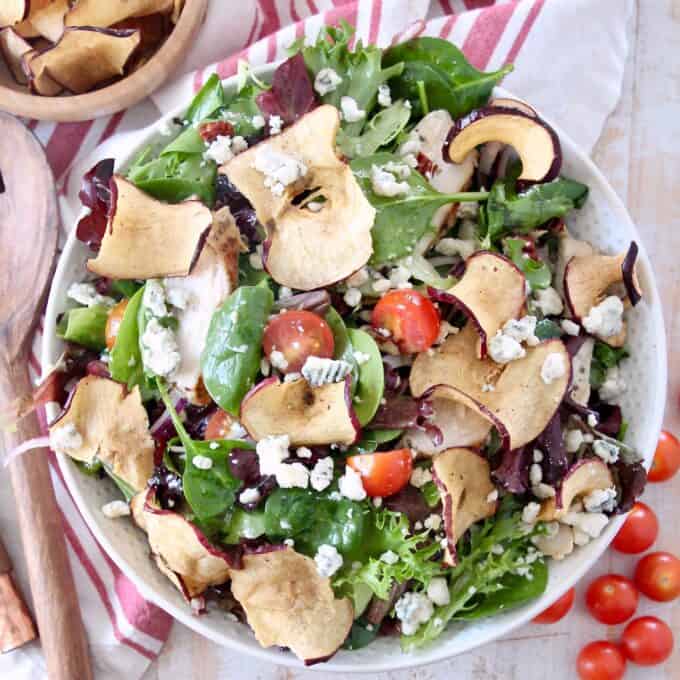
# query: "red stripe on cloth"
[[271, 22], [253, 28], [376, 12], [271, 47], [528, 23], [446, 6], [111, 126], [485, 34], [293, 11], [312, 7], [64, 145], [478, 4], [448, 26]]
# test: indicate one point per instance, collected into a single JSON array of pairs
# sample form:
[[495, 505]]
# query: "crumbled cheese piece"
[[361, 357], [86, 294], [600, 500], [592, 419], [258, 122], [384, 183], [303, 452], [412, 146], [543, 491], [613, 386], [607, 451], [116, 509], [573, 440], [292, 475], [255, 259], [554, 367], [438, 591], [292, 377], [160, 351], [399, 277], [377, 501], [249, 496], [569, 327], [548, 300], [605, 319], [456, 246], [535, 474], [497, 549], [399, 170], [590, 523], [177, 297], [537, 456], [275, 125], [432, 522], [503, 349], [351, 486], [326, 81], [381, 285], [202, 462], [153, 298], [322, 474], [328, 560], [319, 371], [271, 451], [65, 438], [352, 297], [359, 278], [278, 360], [530, 512], [413, 609], [522, 330], [265, 366], [492, 496], [420, 476], [279, 169], [384, 95], [389, 557], [350, 110], [224, 148]]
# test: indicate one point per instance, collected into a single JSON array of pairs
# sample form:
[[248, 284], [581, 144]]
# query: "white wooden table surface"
[[640, 154]]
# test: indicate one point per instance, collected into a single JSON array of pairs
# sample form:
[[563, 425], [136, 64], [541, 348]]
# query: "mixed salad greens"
[[341, 354]]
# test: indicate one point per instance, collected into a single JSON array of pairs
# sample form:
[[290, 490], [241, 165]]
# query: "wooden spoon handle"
[[54, 595]]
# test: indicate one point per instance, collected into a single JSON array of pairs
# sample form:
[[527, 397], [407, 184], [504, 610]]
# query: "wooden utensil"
[[16, 626], [29, 222]]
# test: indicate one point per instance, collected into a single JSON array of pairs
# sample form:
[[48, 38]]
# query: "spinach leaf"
[[360, 635], [371, 439], [209, 98], [537, 273], [248, 276], [437, 75], [401, 220], [343, 347], [85, 326], [371, 383], [128, 491], [126, 288], [244, 525], [231, 358], [126, 358], [547, 329]]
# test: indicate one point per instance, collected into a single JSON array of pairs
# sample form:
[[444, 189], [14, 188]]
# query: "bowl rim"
[[123, 93], [435, 653]]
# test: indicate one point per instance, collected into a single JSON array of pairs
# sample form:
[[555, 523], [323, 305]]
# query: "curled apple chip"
[[146, 238], [13, 11], [180, 549], [13, 47], [40, 82], [48, 21], [289, 604], [87, 430], [459, 425], [491, 292], [316, 215], [515, 397], [464, 481], [308, 415], [85, 57], [105, 14]]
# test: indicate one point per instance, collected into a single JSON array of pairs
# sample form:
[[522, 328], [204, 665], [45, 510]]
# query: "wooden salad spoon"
[[29, 221]]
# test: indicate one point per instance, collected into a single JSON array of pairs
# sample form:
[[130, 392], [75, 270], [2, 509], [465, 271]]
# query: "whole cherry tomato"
[[113, 322], [647, 641], [558, 610], [407, 318], [666, 458], [612, 599], [385, 472], [657, 575], [291, 337], [601, 660], [638, 532]]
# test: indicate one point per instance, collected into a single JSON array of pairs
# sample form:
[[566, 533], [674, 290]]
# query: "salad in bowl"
[[341, 354]]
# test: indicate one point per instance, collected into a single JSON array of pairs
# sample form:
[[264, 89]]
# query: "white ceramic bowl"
[[603, 221]]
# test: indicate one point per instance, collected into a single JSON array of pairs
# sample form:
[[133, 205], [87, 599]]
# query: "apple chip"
[[491, 292], [85, 57], [308, 415], [87, 431], [180, 549], [289, 604], [13, 11], [13, 47], [49, 20], [146, 238], [515, 397], [464, 481], [317, 217], [105, 14], [40, 83]]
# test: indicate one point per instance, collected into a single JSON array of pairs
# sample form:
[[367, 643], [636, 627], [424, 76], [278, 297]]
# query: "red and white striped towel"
[[569, 57]]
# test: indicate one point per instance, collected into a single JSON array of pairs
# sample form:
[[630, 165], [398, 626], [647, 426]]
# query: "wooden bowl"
[[121, 95]]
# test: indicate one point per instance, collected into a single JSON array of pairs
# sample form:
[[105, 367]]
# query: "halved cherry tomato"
[[612, 599], [558, 610], [647, 641], [113, 323], [638, 532], [657, 576], [666, 459], [218, 425], [601, 660], [383, 473], [410, 318], [297, 335]]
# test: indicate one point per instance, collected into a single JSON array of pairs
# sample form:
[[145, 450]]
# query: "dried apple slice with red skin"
[[39, 83], [520, 404], [516, 104], [463, 478], [308, 415], [105, 14], [122, 443], [491, 292], [135, 244], [532, 138], [13, 47], [306, 250], [289, 604], [49, 21]]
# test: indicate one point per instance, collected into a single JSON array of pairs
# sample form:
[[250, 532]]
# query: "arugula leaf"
[[402, 220], [85, 326], [431, 493], [437, 75], [604, 358], [546, 329], [126, 358], [537, 273], [371, 380]]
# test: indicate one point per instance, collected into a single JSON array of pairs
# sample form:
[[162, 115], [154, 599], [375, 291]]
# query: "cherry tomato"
[[410, 318], [297, 335], [558, 610], [612, 599], [638, 532], [383, 473], [601, 660], [113, 323], [657, 576], [218, 425], [647, 641], [666, 459]]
